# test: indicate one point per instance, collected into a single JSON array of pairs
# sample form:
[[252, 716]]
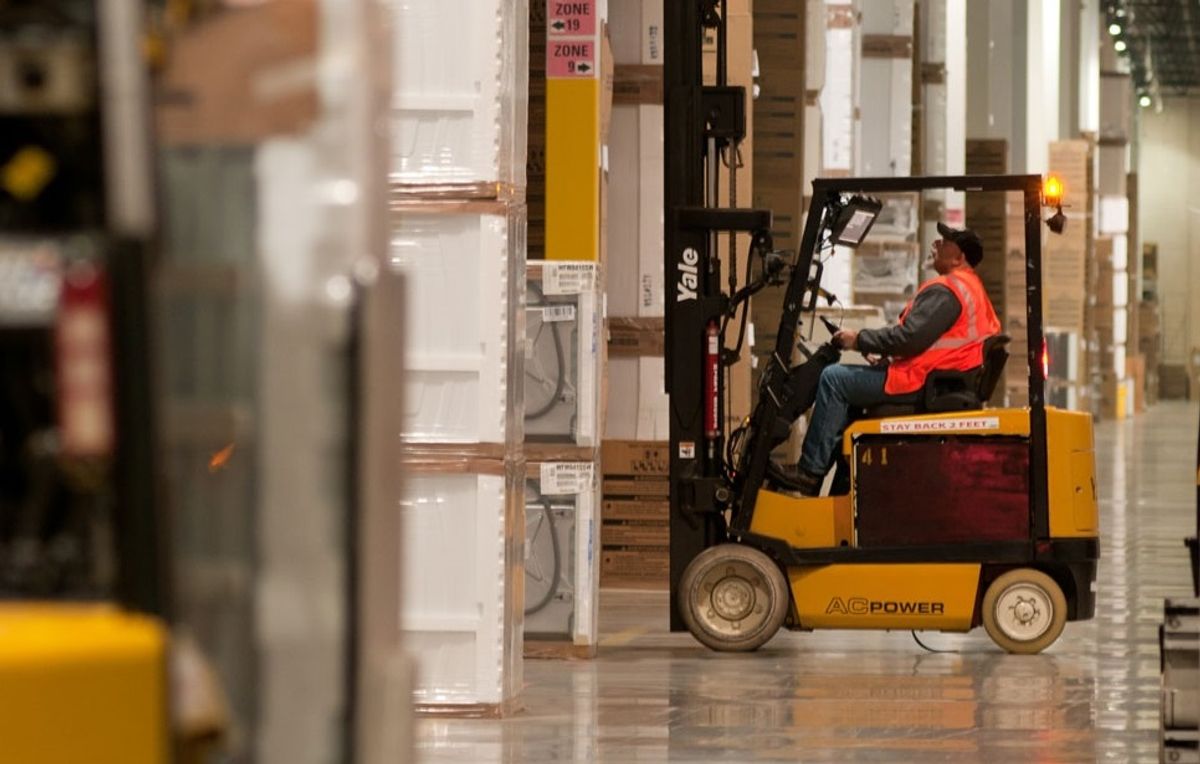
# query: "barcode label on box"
[[568, 278], [558, 313], [561, 478]]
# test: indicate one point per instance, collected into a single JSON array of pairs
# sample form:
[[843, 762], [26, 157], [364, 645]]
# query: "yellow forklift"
[[944, 514]]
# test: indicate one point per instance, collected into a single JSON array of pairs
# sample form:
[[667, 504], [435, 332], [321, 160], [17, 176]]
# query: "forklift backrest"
[[995, 355], [947, 390]]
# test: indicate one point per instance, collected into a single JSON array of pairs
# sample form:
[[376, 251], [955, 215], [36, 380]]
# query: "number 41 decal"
[[868, 459]]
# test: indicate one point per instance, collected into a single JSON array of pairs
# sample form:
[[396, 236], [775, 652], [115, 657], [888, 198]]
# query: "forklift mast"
[[699, 123]]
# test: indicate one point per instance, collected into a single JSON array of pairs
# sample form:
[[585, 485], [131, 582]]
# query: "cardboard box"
[[1114, 169], [231, 78], [635, 567], [635, 458], [1071, 161], [635, 533], [635, 337], [1116, 106], [637, 84], [645, 509], [987, 156]]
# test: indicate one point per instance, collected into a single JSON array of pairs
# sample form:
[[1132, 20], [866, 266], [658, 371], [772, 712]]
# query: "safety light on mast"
[[1052, 196], [1045, 360]]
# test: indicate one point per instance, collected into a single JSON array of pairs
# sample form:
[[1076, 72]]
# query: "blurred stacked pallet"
[[1118, 366], [1149, 324], [635, 532], [458, 235], [208, 325]]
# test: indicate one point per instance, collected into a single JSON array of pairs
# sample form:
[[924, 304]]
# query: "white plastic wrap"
[[460, 91], [463, 336], [562, 568], [562, 358], [462, 602]]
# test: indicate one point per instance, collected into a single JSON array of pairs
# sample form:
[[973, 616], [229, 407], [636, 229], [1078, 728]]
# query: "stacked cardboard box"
[[637, 403], [998, 218], [635, 528], [887, 88], [458, 236], [635, 217], [1066, 272], [886, 268], [779, 119]]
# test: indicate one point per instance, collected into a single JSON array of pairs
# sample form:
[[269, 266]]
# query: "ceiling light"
[[1144, 101], [1114, 29], [1120, 46]]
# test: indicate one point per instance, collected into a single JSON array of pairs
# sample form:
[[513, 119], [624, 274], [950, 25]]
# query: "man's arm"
[[933, 312]]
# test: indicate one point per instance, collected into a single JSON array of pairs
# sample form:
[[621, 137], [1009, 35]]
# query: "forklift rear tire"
[[1024, 611], [733, 598]]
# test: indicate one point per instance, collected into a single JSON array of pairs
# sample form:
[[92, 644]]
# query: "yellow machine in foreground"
[[82, 683]]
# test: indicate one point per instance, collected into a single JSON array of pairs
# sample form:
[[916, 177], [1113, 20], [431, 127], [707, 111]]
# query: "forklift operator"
[[944, 327]]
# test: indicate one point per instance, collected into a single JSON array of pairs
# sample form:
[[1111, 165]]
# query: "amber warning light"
[[1052, 195], [1052, 191], [1045, 360]]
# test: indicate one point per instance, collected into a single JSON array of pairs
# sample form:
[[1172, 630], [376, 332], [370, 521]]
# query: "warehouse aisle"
[[847, 696]]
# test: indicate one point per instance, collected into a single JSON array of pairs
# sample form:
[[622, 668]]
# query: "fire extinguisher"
[[86, 417], [712, 374]]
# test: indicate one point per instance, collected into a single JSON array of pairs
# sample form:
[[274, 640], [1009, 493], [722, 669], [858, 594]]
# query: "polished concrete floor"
[[879, 697]]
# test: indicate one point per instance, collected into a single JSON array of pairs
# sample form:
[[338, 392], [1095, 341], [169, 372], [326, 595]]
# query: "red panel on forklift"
[[925, 491]]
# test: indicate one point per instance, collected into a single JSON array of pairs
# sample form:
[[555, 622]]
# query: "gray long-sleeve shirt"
[[934, 311]]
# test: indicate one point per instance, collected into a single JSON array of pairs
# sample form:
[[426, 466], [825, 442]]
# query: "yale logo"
[[689, 278], [864, 606]]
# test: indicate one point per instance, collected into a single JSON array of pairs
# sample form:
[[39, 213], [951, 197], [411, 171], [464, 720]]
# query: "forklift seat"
[[946, 390]]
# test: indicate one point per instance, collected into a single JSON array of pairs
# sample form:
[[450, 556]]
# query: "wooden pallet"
[[469, 710], [558, 650]]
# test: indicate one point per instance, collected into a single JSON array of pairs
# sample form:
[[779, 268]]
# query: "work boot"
[[794, 478]]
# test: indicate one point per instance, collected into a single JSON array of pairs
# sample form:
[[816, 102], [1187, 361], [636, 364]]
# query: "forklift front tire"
[[1024, 611], [733, 598]]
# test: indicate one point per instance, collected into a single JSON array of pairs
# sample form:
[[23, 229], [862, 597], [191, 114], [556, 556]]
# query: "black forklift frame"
[[698, 494]]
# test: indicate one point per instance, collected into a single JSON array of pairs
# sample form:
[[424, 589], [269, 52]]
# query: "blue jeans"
[[841, 387]]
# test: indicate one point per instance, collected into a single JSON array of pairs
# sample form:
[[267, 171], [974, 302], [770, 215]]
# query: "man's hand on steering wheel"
[[846, 339]]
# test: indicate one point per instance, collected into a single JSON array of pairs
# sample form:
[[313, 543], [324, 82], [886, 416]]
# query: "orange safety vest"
[[961, 347]]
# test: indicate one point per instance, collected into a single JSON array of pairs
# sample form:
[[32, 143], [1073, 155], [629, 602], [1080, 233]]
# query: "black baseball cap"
[[966, 239]]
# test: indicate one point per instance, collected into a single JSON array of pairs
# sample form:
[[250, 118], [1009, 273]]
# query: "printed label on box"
[[564, 17], [552, 313], [687, 449], [560, 278], [562, 478]]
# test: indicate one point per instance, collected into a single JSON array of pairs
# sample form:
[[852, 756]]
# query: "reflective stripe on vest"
[[961, 347]]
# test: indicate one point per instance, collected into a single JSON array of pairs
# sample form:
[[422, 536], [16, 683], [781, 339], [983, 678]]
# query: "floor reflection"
[[878, 696]]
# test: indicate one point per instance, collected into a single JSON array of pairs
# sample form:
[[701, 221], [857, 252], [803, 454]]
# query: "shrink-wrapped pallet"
[[462, 604], [562, 566], [460, 93], [564, 355], [464, 328]]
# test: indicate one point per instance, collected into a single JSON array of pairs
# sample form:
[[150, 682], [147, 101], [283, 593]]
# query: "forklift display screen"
[[853, 222]]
